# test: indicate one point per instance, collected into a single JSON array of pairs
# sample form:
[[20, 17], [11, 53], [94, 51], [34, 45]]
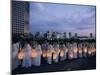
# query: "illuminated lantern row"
[[71, 53]]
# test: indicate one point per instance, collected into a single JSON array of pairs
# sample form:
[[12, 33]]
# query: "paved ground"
[[68, 65]]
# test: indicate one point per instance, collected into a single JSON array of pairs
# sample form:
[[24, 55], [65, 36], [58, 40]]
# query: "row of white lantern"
[[71, 53]]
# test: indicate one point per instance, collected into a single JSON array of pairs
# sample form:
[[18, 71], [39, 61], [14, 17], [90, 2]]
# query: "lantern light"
[[49, 54], [66, 50], [21, 54], [80, 50], [33, 53], [89, 52], [71, 56], [85, 50], [75, 50], [44, 54], [61, 53], [54, 55]]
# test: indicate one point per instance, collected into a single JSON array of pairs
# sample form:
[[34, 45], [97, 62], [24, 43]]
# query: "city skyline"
[[62, 18]]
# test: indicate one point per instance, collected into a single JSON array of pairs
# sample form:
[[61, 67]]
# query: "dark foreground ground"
[[68, 65]]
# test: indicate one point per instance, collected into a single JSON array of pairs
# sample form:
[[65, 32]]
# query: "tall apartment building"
[[20, 17]]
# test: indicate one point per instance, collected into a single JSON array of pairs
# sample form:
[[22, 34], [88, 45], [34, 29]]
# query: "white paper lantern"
[[85, 50], [75, 50], [80, 50], [44, 54], [66, 50], [49, 54], [93, 50], [21, 54], [62, 53], [54, 55], [33, 53], [89, 51], [71, 56]]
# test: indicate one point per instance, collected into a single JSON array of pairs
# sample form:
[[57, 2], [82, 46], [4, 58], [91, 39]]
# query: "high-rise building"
[[76, 35], [70, 35], [64, 35], [20, 17]]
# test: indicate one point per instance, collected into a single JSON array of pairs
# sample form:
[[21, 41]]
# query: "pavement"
[[88, 63]]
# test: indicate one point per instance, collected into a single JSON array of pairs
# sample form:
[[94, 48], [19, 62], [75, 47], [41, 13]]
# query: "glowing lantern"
[[85, 50], [61, 53], [21, 54], [75, 50], [49, 54], [54, 55], [80, 50], [52, 50], [89, 52], [57, 51], [66, 50], [40, 52], [71, 56], [33, 53], [44, 54], [93, 50]]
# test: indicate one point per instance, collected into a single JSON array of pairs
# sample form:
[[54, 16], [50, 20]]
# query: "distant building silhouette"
[[91, 35], [70, 35], [64, 35], [76, 35]]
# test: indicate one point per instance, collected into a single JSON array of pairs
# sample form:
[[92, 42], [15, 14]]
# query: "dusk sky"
[[62, 18]]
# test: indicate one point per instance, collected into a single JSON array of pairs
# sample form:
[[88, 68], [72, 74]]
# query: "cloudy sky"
[[62, 18]]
